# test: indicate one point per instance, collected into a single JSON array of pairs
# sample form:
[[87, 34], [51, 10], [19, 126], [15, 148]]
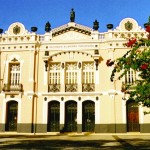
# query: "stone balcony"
[[12, 88]]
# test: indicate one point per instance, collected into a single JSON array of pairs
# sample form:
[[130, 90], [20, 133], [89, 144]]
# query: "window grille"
[[54, 73], [88, 77], [88, 72], [14, 73], [71, 73], [130, 77]]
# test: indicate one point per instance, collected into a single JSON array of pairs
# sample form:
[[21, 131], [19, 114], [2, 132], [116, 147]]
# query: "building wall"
[[71, 43]]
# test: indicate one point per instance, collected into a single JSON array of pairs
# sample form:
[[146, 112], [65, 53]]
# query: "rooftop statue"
[[47, 27], [72, 15], [95, 25]]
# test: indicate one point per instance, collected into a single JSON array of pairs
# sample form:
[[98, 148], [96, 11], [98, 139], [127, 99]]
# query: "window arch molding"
[[60, 53], [71, 99], [88, 99]]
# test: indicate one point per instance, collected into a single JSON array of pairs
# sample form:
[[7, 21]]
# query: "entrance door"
[[88, 116], [132, 117], [11, 116], [71, 116], [53, 116]]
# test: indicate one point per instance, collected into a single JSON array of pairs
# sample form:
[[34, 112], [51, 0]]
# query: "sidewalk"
[[86, 141], [73, 133]]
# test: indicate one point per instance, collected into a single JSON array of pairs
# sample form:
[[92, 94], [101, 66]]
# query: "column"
[[62, 78], [45, 77], [96, 80], [79, 116], [31, 64], [97, 115], [62, 115], [79, 78]]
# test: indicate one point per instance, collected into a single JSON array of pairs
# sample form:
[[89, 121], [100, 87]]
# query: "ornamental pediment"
[[71, 31], [70, 36]]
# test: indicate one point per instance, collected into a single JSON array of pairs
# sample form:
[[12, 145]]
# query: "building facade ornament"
[[16, 28]]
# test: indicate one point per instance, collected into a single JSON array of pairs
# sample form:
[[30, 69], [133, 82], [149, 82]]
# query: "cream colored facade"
[[59, 81]]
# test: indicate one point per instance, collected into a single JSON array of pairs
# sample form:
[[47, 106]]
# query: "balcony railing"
[[88, 87], [71, 87], [54, 88], [12, 88], [126, 86]]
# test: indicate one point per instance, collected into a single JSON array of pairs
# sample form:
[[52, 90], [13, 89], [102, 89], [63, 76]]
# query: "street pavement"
[[74, 141]]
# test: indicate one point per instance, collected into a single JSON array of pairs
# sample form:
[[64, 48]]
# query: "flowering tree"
[[137, 59]]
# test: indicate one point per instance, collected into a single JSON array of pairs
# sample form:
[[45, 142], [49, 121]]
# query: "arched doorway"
[[11, 116], [53, 116], [132, 116], [71, 116], [88, 116]]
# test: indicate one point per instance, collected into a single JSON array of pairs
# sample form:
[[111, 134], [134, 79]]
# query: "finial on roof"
[[110, 26], [95, 25], [34, 29], [1, 31], [47, 27]]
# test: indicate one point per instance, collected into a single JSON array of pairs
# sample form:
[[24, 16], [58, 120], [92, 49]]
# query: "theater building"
[[59, 81]]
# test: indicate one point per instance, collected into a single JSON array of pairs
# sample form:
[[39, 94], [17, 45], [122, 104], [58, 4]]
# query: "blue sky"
[[57, 12]]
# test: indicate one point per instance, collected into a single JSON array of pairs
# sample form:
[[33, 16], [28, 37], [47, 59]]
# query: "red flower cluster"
[[109, 62], [131, 42], [144, 66], [148, 28]]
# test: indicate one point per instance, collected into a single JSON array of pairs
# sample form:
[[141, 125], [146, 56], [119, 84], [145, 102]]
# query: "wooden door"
[[132, 117]]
